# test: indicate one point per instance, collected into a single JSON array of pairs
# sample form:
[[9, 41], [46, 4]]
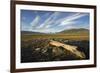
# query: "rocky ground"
[[40, 50]]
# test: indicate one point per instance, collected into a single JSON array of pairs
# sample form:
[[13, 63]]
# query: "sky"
[[53, 21]]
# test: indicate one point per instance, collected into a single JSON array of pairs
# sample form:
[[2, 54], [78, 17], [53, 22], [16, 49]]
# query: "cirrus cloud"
[[58, 21]]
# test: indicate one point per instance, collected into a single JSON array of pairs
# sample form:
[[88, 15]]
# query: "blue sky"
[[52, 22]]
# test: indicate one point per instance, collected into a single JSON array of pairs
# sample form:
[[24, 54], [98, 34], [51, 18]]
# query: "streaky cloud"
[[69, 20], [35, 22], [49, 21], [52, 24]]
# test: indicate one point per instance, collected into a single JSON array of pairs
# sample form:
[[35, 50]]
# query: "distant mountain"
[[30, 32], [80, 30], [70, 31]]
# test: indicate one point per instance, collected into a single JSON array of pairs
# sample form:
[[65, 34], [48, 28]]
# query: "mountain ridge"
[[80, 30]]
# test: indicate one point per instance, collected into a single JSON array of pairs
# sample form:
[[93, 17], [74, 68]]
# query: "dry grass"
[[65, 36]]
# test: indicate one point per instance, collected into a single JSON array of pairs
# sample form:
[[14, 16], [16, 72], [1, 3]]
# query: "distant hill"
[[80, 30], [70, 31], [30, 32]]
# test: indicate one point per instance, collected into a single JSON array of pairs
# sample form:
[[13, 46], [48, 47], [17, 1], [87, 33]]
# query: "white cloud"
[[35, 22], [48, 22], [65, 23], [70, 20], [76, 16]]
